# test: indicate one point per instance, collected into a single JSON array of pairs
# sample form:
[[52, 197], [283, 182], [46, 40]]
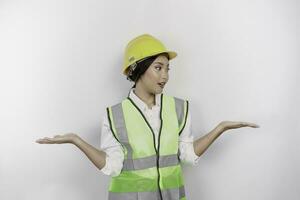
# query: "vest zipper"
[[158, 146], [156, 150], [157, 159]]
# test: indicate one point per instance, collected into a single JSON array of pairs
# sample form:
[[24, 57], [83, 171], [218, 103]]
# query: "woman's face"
[[156, 76]]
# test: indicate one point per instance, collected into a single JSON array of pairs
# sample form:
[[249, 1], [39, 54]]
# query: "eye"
[[157, 67]]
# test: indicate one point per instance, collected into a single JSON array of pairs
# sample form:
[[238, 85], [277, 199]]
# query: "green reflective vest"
[[148, 173]]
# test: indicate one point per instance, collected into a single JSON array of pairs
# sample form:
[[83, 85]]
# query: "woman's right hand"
[[58, 139]]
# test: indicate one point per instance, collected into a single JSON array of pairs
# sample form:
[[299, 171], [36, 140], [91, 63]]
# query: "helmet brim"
[[172, 54]]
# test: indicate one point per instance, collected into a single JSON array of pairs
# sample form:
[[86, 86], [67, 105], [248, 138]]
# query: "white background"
[[237, 60]]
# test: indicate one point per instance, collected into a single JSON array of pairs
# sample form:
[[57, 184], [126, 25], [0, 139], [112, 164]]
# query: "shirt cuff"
[[187, 154], [106, 169], [113, 164]]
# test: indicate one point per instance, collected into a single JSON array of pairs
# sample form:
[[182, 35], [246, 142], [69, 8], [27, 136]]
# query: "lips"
[[162, 84]]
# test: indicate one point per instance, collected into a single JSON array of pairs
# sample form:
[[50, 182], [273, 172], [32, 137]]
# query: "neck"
[[148, 98]]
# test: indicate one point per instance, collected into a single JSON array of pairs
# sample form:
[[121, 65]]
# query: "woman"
[[147, 135]]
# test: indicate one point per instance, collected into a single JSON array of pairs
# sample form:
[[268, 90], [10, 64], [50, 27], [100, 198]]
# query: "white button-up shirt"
[[113, 149]]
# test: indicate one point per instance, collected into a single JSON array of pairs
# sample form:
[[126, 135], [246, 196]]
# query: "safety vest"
[[148, 173]]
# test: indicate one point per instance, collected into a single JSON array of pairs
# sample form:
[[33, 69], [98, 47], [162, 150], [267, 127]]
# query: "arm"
[[96, 156], [201, 144], [186, 149], [109, 159]]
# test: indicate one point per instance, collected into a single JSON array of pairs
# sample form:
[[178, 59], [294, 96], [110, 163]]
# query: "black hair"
[[141, 68]]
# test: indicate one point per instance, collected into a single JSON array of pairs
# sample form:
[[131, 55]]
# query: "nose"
[[165, 75]]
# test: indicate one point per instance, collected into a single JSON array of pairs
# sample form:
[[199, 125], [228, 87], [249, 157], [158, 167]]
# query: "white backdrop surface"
[[237, 60]]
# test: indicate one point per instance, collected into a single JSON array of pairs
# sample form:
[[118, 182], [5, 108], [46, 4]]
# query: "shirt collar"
[[140, 103]]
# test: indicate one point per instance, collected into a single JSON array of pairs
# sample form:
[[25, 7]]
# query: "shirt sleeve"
[[112, 148], [186, 148]]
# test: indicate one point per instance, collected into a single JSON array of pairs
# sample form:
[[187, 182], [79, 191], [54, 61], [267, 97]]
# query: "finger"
[[240, 124], [43, 141], [252, 125], [38, 140], [245, 123], [46, 141]]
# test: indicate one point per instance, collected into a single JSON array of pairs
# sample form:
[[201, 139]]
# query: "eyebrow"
[[162, 63]]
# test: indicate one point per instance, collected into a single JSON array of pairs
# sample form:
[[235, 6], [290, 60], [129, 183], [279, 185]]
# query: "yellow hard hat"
[[142, 47]]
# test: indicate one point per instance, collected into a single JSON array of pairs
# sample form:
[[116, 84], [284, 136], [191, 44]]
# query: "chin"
[[159, 91]]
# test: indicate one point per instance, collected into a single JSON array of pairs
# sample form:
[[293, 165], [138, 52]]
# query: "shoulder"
[[117, 103], [181, 103], [176, 98]]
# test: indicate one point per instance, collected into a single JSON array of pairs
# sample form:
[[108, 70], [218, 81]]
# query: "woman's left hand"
[[226, 125]]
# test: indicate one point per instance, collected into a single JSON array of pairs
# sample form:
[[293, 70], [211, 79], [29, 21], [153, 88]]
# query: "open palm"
[[57, 139], [232, 125]]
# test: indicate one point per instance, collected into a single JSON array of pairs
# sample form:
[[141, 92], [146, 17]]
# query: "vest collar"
[[140, 103]]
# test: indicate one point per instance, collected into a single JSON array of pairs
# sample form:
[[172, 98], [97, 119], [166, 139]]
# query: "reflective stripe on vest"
[[181, 111], [146, 168], [169, 194], [150, 161]]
